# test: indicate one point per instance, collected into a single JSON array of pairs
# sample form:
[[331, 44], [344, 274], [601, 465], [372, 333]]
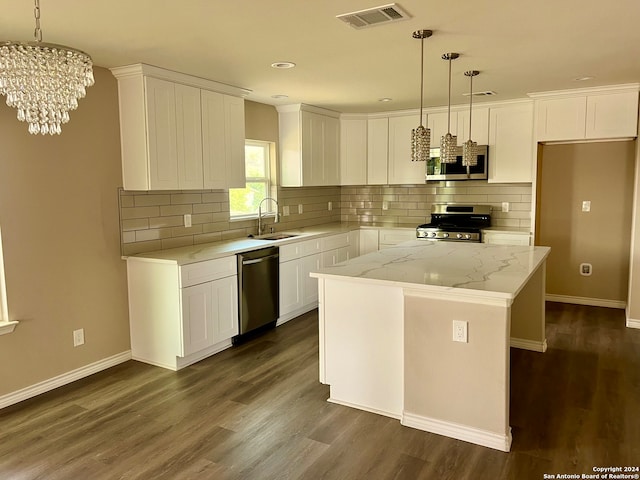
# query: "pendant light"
[[470, 148], [449, 143], [421, 136], [43, 81]]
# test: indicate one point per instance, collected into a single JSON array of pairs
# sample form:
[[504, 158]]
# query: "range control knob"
[[459, 236], [445, 235], [467, 236]]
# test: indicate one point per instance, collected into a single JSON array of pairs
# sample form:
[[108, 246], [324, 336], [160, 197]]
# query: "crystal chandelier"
[[448, 142], [470, 148], [421, 136], [43, 80]]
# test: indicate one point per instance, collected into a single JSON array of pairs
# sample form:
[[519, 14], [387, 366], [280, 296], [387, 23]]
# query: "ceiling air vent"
[[374, 16], [486, 93]]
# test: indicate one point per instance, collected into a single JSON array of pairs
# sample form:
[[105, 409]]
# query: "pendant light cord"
[[421, 76], [449, 104], [37, 33], [470, 105]]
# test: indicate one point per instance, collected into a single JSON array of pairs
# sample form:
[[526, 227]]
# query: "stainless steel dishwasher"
[[259, 291]]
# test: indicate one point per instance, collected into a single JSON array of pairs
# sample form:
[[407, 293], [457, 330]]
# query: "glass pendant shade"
[[421, 136], [420, 144], [43, 81], [470, 148], [449, 142]]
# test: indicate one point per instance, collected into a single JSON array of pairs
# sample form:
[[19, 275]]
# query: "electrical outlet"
[[330, 206], [78, 337], [505, 206], [586, 269], [300, 210], [460, 333], [187, 219], [586, 206], [285, 211], [385, 205]]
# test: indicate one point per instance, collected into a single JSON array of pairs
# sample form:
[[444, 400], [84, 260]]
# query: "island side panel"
[[460, 390], [363, 345], [528, 316]]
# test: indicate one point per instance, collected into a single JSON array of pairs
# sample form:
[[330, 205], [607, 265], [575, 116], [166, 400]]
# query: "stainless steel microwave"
[[455, 171]]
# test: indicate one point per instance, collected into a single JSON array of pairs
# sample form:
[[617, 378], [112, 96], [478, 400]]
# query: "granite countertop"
[[210, 251], [468, 268]]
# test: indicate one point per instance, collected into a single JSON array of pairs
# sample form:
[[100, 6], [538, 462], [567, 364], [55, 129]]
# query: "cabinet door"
[[291, 285], [353, 151], [161, 134], [354, 243], [377, 151], [331, 151], [560, 118], [234, 141], [310, 285], [311, 149], [333, 257], [225, 308], [197, 318], [479, 126], [189, 137], [511, 145], [214, 151], [438, 124], [612, 115], [401, 169]]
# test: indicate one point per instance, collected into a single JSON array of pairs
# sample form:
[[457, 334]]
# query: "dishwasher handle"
[[259, 260]]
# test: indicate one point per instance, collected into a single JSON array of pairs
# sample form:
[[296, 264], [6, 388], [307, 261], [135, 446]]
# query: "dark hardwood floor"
[[257, 411]]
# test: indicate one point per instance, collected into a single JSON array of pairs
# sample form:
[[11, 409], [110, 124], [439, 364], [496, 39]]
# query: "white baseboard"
[[296, 313], [461, 432], [593, 302], [532, 345], [366, 409], [633, 323], [64, 379]]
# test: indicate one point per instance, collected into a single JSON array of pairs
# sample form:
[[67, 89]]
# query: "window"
[[5, 325], [259, 170]]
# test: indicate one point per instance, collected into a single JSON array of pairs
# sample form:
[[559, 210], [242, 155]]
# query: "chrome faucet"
[[276, 219]]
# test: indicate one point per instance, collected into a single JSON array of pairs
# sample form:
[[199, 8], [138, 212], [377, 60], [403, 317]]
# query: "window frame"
[[6, 326], [268, 208]]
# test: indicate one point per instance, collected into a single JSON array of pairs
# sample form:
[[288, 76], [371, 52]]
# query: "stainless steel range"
[[456, 223]]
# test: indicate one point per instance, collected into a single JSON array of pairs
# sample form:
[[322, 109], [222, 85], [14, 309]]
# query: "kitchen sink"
[[277, 236]]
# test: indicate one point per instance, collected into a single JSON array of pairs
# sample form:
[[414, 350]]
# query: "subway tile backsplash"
[[154, 220]]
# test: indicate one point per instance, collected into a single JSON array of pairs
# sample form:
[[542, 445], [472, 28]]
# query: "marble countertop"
[[468, 268], [210, 251]]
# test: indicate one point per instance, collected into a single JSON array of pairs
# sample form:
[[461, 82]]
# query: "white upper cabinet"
[[401, 169], [179, 132], [377, 151], [479, 126], [587, 114], [438, 123], [309, 146], [353, 150], [511, 145]]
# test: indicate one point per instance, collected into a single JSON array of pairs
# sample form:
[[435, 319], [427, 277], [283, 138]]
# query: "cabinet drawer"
[[299, 249], [196, 273], [394, 236], [335, 241]]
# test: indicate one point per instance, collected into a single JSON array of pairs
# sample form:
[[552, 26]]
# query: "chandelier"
[[421, 136], [470, 148], [43, 81], [448, 142]]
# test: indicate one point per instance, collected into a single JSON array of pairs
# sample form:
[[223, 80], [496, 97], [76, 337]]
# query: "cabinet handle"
[[259, 260]]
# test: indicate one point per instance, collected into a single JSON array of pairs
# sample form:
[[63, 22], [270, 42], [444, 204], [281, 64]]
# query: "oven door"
[[455, 171]]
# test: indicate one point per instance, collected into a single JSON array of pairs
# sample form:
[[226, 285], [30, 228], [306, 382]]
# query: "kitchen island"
[[387, 346]]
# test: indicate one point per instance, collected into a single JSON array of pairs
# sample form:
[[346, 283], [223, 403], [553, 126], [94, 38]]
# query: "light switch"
[[187, 219]]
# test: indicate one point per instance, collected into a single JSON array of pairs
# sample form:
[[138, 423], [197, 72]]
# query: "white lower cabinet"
[[209, 314], [506, 238], [179, 315], [388, 237], [368, 241], [298, 291]]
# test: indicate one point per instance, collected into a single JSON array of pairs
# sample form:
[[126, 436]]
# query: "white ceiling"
[[518, 46]]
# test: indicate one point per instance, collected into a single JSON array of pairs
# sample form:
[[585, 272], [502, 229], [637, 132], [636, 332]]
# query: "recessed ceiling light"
[[582, 79], [279, 96], [283, 65], [385, 99]]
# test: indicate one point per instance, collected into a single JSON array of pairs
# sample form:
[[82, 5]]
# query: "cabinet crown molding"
[[303, 107], [138, 69], [627, 87]]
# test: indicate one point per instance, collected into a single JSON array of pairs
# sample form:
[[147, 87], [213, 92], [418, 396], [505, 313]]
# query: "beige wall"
[[59, 217], [260, 122], [602, 173], [633, 303]]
